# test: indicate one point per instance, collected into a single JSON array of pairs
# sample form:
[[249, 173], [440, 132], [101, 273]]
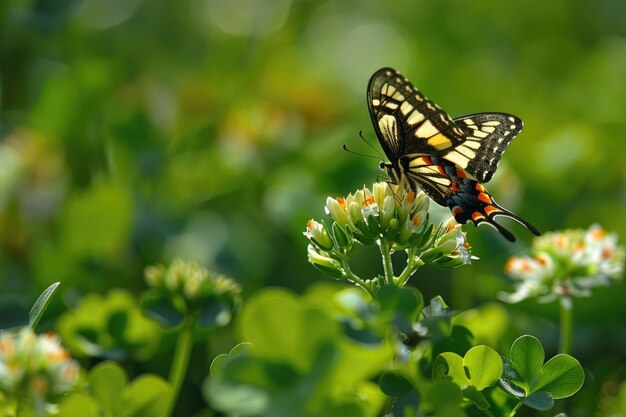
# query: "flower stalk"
[[566, 325]]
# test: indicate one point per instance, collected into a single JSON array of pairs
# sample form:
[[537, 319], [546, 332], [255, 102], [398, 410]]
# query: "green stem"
[[413, 263], [181, 360], [385, 251], [514, 410], [487, 412], [567, 325], [351, 276]]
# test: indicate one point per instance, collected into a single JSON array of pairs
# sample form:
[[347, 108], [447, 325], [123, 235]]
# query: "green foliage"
[[299, 362], [39, 308], [110, 394], [109, 326], [534, 383]]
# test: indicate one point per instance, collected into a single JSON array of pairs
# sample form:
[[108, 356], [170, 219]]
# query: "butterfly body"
[[447, 158]]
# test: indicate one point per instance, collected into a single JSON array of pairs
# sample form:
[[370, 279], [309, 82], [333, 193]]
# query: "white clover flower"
[[566, 264], [37, 364]]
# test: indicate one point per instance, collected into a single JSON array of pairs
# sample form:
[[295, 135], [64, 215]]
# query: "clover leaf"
[[534, 383], [481, 367]]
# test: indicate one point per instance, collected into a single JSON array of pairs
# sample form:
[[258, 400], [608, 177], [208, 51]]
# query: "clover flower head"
[[390, 217], [188, 284], [36, 366], [566, 264]]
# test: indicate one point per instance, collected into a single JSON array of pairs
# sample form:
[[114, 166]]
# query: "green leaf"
[[214, 313], [146, 396], [449, 364], [527, 357], [562, 376], [539, 400], [78, 405], [483, 365], [160, 309], [406, 405], [332, 272], [341, 237], [280, 327], [107, 381], [403, 304], [40, 305], [394, 384]]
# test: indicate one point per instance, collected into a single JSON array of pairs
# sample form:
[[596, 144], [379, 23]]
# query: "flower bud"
[[316, 232]]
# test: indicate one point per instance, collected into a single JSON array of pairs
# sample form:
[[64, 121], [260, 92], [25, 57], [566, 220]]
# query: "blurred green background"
[[135, 131]]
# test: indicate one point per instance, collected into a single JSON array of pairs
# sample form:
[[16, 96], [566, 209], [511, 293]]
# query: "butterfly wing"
[[450, 185], [405, 121], [487, 136]]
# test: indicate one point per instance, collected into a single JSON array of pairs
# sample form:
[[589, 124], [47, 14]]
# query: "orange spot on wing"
[[456, 210], [460, 173], [476, 216], [490, 209], [454, 187], [484, 197], [441, 170], [479, 187], [427, 160]]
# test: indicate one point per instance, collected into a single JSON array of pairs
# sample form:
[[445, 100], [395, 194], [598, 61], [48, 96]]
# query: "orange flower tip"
[[508, 266], [39, 385], [309, 224], [542, 260], [460, 173], [525, 265], [369, 201], [410, 196], [598, 233], [466, 245], [342, 202]]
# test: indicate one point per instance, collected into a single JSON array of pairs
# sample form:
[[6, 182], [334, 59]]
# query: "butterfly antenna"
[[382, 158], [345, 148]]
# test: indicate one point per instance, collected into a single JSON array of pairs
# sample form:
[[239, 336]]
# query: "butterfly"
[[447, 158]]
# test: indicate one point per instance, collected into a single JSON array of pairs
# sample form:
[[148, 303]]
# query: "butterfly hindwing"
[[486, 137], [406, 121], [449, 185]]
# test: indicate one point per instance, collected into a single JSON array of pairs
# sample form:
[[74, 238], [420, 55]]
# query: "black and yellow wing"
[[486, 137], [407, 122]]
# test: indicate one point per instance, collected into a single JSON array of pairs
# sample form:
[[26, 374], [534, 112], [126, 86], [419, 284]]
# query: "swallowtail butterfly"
[[447, 158]]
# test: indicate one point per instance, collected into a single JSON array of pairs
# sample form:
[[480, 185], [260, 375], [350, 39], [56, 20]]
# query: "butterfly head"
[[394, 173]]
